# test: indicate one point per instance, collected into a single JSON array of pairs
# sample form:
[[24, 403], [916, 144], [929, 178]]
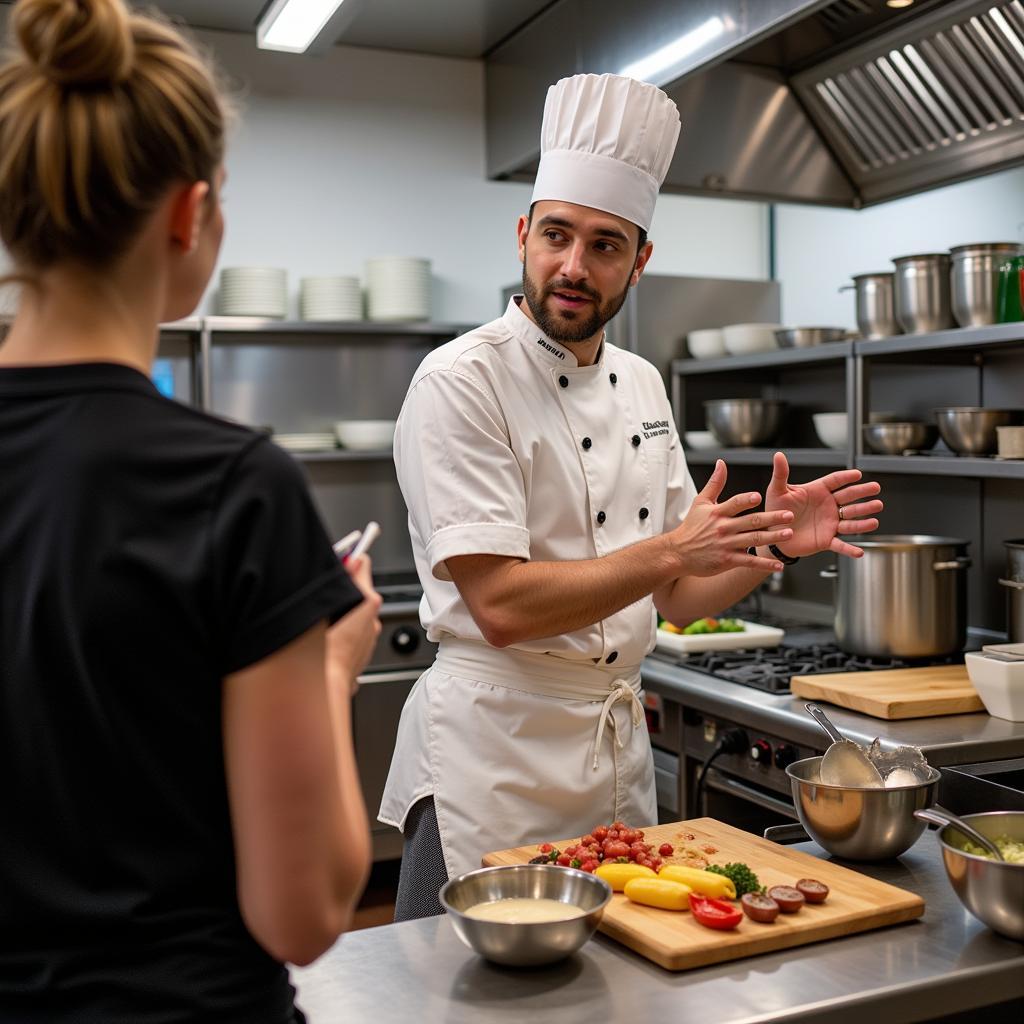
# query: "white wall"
[[820, 249], [363, 153]]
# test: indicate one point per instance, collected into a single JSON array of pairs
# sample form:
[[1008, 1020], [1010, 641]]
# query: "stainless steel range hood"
[[842, 103]]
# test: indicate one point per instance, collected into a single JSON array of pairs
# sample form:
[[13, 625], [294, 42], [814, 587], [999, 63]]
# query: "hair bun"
[[77, 42]]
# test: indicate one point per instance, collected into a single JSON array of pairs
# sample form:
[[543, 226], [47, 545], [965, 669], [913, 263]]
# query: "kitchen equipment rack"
[[973, 350]]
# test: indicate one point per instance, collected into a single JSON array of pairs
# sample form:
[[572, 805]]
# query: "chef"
[[551, 512]]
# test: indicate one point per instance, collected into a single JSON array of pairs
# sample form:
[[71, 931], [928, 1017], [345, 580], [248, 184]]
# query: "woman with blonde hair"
[[180, 812]]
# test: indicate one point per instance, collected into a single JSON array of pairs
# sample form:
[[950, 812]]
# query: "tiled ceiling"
[[451, 28]]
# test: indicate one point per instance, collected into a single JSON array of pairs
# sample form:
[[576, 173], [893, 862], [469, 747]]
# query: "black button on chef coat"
[[644, 513], [601, 517], [587, 443], [636, 440], [563, 381], [613, 378], [611, 657]]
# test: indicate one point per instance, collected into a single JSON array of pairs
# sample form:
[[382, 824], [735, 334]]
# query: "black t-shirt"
[[146, 550]]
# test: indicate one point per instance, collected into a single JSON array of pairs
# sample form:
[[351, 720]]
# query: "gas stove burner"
[[771, 669]]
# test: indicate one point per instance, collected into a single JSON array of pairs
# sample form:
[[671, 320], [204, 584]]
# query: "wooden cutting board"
[[677, 942], [894, 693]]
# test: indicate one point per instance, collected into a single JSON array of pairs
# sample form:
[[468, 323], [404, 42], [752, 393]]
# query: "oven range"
[[726, 758], [400, 657]]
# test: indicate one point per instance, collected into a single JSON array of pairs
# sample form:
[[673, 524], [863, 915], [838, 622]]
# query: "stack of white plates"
[[306, 442], [253, 291], [330, 298], [398, 288]]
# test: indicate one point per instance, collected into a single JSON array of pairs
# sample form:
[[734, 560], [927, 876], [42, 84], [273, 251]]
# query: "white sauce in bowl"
[[524, 911]]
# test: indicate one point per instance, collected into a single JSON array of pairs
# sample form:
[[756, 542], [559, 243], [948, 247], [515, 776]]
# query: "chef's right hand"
[[350, 641], [714, 538]]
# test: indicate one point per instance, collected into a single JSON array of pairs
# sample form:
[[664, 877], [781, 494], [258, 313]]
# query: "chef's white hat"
[[606, 142]]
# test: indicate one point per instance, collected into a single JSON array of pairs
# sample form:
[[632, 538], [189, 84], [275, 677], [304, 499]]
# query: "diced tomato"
[[616, 849]]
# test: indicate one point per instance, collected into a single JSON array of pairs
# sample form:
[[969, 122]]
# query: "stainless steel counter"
[[945, 739], [945, 963]]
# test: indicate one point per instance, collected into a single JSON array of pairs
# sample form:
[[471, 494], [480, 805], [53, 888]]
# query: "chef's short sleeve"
[[274, 572], [680, 485], [460, 477]]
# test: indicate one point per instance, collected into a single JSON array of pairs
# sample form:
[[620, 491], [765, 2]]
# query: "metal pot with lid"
[[905, 598], [1014, 583]]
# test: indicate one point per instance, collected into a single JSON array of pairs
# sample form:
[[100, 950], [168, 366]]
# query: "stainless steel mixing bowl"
[[970, 430], [897, 438], [743, 422], [859, 824], [992, 891], [807, 337], [525, 945]]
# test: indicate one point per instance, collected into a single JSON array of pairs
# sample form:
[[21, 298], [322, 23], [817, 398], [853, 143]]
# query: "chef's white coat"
[[505, 445]]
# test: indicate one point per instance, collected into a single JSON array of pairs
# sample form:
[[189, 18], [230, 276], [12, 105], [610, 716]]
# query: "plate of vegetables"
[[711, 634]]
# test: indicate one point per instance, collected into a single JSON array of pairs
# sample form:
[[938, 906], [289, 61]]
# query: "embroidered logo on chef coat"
[[655, 428], [550, 348]]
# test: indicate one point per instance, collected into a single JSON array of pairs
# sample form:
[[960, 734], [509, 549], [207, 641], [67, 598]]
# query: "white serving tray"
[[755, 635]]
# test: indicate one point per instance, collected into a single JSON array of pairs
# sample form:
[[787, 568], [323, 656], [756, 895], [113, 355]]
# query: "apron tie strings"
[[620, 691]]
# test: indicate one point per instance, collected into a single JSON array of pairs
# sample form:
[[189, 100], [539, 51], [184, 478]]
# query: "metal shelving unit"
[[943, 464], [763, 456], [972, 343]]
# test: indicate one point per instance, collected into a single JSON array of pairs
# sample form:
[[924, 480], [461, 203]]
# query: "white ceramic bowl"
[[1000, 685], [742, 339], [706, 344], [365, 435], [831, 428], [700, 440]]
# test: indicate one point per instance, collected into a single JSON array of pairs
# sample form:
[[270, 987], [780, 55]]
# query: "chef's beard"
[[569, 326]]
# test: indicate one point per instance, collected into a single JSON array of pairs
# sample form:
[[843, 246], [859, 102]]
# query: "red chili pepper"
[[714, 913]]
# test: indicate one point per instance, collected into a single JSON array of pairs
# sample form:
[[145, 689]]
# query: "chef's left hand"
[[822, 509]]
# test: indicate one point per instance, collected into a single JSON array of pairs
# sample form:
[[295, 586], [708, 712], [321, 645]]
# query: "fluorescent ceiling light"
[[291, 25], [672, 53]]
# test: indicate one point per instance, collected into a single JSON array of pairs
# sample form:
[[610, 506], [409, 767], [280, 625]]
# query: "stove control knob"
[[761, 752], [785, 755], [404, 640]]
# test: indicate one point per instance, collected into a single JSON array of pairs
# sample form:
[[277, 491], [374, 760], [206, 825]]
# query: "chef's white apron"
[[490, 723]]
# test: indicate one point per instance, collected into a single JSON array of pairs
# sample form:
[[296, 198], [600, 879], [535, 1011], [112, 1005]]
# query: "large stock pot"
[[905, 598]]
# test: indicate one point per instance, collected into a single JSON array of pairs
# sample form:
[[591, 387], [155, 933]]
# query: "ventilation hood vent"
[[847, 103]]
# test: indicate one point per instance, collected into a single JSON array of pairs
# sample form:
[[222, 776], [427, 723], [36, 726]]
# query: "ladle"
[[940, 816], [845, 763]]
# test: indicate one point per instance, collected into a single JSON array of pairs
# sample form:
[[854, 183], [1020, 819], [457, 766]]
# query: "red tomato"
[[600, 833], [564, 860], [546, 847], [587, 840], [616, 849], [665, 849], [571, 849], [655, 862], [618, 825], [639, 833], [714, 913], [588, 865]]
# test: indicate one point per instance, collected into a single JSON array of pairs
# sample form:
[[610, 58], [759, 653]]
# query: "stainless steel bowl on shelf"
[[744, 422], [807, 337], [991, 890], [859, 824], [899, 437], [970, 430], [525, 945]]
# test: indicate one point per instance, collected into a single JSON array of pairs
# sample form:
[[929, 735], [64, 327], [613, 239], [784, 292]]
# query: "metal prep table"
[[945, 963]]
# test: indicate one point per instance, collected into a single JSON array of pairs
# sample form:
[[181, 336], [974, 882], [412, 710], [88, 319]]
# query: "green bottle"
[[1008, 293]]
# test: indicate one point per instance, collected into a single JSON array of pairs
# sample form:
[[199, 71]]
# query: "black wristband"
[[784, 559]]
